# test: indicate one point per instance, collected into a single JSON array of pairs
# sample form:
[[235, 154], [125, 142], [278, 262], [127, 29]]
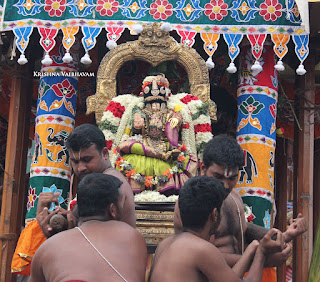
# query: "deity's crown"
[[159, 79]]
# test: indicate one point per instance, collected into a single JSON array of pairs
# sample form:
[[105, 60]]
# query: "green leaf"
[[250, 100], [258, 109], [243, 110]]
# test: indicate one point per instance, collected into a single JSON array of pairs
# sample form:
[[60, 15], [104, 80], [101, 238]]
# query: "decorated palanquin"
[[231, 21]]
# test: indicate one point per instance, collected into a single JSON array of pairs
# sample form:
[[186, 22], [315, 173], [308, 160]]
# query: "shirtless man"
[[88, 153], [110, 250], [222, 159], [86, 145], [200, 200]]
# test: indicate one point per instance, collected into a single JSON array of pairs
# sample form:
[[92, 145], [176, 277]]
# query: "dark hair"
[[85, 135], [197, 199], [96, 191], [223, 150]]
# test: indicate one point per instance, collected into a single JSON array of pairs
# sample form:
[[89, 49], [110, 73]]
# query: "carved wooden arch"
[[153, 46]]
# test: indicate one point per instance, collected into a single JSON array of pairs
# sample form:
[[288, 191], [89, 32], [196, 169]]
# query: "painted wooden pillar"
[[304, 156], [281, 177], [256, 133], [50, 169], [15, 166]]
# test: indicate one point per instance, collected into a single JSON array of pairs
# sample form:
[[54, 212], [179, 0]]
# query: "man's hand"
[[279, 258], [43, 219], [269, 246], [45, 215], [72, 220], [45, 200], [298, 227]]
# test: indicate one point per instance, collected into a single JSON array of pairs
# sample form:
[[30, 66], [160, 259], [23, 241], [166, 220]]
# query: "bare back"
[[186, 257], [128, 210], [68, 255]]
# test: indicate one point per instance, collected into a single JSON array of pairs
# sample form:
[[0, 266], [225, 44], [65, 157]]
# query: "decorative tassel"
[[167, 27], [86, 59], [137, 28], [47, 61], [231, 68], [111, 44], [301, 70], [210, 63], [256, 66], [67, 58], [279, 66], [13, 51], [22, 60]]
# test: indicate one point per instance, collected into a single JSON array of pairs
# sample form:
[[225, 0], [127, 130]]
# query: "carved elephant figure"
[[249, 169], [58, 139]]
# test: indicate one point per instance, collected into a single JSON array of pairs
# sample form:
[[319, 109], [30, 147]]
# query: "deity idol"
[[156, 138]]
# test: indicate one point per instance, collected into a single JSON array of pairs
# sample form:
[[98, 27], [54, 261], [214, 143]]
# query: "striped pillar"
[[50, 169], [256, 133]]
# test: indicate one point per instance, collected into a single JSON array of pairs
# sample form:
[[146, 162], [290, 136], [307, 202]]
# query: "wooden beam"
[[316, 187], [281, 172], [15, 168], [304, 154]]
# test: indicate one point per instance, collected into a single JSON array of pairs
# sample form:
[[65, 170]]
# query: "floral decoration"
[[116, 108], [216, 10], [107, 7], [161, 9], [148, 181], [32, 196], [55, 8], [270, 10], [53, 189], [249, 216]]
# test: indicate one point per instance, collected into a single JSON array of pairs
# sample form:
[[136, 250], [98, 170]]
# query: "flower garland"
[[195, 131], [127, 170]]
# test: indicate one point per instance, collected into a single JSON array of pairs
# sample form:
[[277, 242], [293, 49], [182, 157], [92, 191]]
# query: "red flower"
[[270, 10], [202, 128], [161, 9], [183, 148], [109, 144], [55, 8], [216, 10], [250, 218], [186, 125], [116, 109], [72, 204], [107, 7], [64, 89], [188, 98]]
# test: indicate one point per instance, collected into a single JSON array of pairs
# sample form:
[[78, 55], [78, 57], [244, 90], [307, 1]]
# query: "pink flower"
[[107, 7], [216, 10], [55, 8], [270, 10], [161, 9]]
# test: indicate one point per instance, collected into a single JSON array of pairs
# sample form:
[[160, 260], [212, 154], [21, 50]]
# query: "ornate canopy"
[[234, 19]]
